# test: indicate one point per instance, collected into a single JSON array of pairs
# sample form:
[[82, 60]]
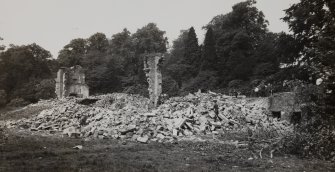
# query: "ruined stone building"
[[152, 69], [71, 82], [285, 106]]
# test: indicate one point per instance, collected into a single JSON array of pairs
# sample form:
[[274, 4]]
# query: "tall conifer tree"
[[209, 59], [192, 50]]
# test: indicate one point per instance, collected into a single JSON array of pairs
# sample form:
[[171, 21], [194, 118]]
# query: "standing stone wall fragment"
[[71, 82], [152, 69]]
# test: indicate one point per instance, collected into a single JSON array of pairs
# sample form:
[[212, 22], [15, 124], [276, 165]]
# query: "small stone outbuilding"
[[71, 82], [285, 106]]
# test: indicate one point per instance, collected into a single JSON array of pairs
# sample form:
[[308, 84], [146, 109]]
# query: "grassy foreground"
[[21, 151]]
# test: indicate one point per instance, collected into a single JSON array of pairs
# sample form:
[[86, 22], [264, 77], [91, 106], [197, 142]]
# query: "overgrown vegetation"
[[312, 22]]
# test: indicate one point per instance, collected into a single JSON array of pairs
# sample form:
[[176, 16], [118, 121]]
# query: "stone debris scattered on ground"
[[78, 147], [123, 116]]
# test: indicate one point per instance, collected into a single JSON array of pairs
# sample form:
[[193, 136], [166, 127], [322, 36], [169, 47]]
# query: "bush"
[[234, 84], [242, 87], [317, 144], [36, 90], [315, 136], [26, 92], [264, 69], [170, 86], [45, 89], [206, 80], [137, 89], [18, 102], [3, 98]]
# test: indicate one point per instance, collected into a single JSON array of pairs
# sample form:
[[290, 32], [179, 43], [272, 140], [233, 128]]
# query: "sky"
[[54, 23]]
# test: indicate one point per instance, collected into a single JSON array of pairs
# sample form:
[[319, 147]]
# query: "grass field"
[[21, 151]]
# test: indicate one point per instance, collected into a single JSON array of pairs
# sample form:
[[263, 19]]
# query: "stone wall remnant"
[[152, 69], [71, 82]]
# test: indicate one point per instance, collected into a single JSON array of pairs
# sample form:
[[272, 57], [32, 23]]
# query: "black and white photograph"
[[167, 85]]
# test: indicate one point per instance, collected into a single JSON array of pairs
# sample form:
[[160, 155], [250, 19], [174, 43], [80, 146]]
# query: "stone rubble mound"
[[123, 116]]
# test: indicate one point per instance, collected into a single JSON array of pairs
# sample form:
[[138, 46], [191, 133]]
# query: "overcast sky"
[[53, 23]]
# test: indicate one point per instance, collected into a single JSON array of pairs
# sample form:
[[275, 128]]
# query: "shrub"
[[235, 84], [18, 102], [3, 98], [45, 89], [206, 80], [315, 136], [137, 89], [170, 86]]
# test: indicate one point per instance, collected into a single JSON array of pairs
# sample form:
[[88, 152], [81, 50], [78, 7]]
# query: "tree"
[[287, 48], [236, 56], [234, 44], [178, 49], [21, 69], [192, 50], [73, 53], [266, 56], [97, 43], [123, 52], [239, 35], [2, 47], [96, 51], [184, 60], [205, 80], [180, 72], [312, 22], [150, 39], [93, 55], [98, 65], [216, 24], [173, 67], [209, 58], [281, 59], [121, 43], [244, 16], [313, 26], [3, 98], [127, 52]]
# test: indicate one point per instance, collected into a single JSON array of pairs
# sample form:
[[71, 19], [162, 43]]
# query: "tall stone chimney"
[[152, 69]]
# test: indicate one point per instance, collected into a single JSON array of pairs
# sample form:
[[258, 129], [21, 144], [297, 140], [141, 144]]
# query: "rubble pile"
[[122, 116]]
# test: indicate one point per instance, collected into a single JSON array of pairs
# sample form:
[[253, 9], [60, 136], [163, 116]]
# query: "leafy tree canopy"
[[150, 39]]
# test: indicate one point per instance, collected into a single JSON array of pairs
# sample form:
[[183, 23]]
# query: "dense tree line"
[[111, 65], [115, 64], [238, 50], [238, 53], [25, 74]]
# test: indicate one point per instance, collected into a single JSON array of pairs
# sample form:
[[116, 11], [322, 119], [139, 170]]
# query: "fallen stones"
[[129, 128], [78, 147], [175, 132], [71, 132], [179, 122], [143, 139], [122, 116], [160, 136]]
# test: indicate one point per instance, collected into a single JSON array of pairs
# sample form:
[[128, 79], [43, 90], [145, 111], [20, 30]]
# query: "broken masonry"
[[71, 82], [152, 69]]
